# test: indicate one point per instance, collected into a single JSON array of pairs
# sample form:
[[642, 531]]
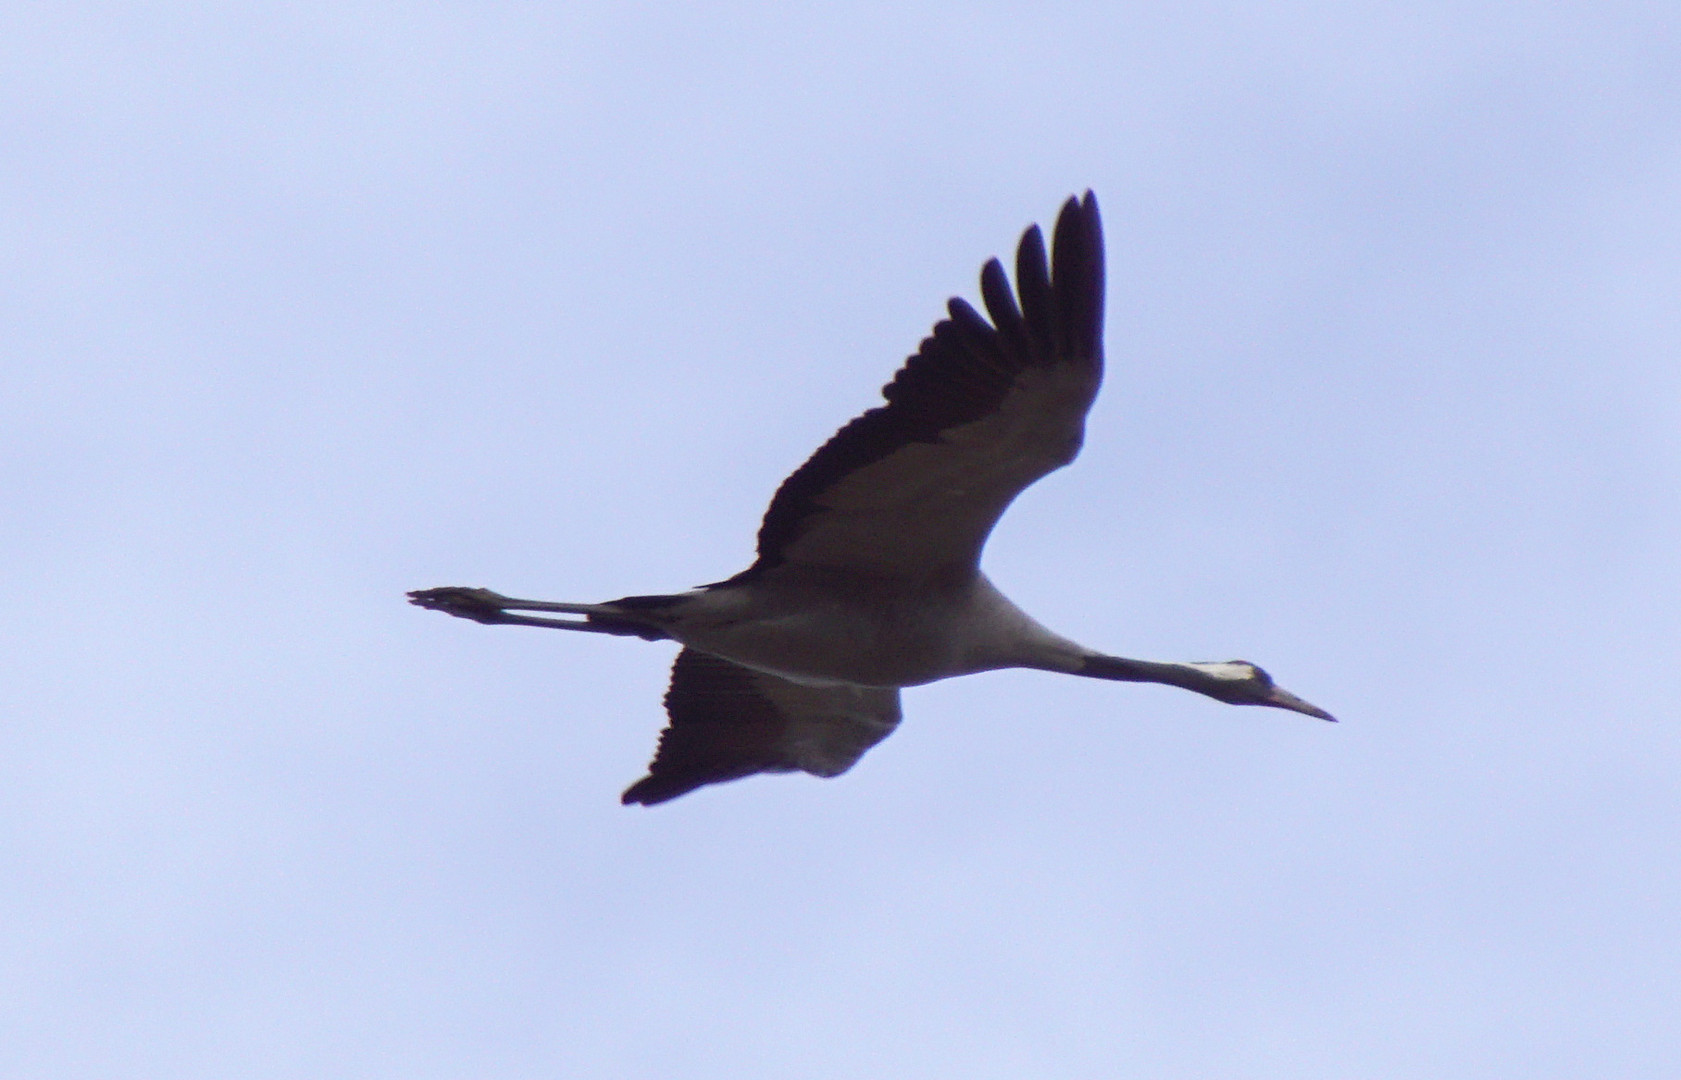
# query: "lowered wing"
[[728, 721]]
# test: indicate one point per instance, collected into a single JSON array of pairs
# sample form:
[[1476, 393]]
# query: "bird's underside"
[[867, 577]]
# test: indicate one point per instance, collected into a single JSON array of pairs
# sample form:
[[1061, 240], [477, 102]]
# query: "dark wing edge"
[[728, 722], [965, 367]]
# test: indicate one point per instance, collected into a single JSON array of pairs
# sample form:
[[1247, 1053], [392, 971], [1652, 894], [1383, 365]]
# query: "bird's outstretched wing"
[[728, 721], [913, 487]]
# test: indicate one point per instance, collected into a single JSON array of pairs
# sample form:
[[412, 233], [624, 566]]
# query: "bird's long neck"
[[1198, 677]]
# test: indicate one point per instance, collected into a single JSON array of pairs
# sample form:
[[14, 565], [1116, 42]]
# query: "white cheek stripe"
[[1229, 671]]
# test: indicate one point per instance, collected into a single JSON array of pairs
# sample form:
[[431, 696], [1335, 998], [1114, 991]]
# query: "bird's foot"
[[480, 605]]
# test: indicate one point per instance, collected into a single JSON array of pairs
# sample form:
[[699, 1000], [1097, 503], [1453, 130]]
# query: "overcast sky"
[[306, 305]]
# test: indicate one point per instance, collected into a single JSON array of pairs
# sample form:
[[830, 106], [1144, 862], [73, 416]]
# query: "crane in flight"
[[868, 572]]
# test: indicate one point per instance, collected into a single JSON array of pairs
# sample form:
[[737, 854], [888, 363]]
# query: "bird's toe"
[[480, 605]]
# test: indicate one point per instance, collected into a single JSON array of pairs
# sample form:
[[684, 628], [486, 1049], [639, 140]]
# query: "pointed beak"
[[1284, 699]]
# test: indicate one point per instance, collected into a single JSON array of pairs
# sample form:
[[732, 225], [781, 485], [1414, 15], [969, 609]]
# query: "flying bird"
[[868, 572]]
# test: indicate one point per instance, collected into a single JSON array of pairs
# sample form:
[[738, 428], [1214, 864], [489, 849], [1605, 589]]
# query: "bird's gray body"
[[828, 627]]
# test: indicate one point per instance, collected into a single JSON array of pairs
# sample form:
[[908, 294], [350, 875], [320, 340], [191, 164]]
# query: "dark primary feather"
[[728, 721], [1022, 382]]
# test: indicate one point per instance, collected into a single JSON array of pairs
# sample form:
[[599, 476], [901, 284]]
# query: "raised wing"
[[728, 721], [981, 411]]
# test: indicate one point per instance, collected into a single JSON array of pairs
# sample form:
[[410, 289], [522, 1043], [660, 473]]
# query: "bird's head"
[[1238, 682]]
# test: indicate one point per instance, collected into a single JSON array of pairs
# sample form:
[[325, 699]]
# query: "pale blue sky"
[[308, 305]]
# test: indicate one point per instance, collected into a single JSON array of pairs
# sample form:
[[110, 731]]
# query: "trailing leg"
[[494, 609]]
